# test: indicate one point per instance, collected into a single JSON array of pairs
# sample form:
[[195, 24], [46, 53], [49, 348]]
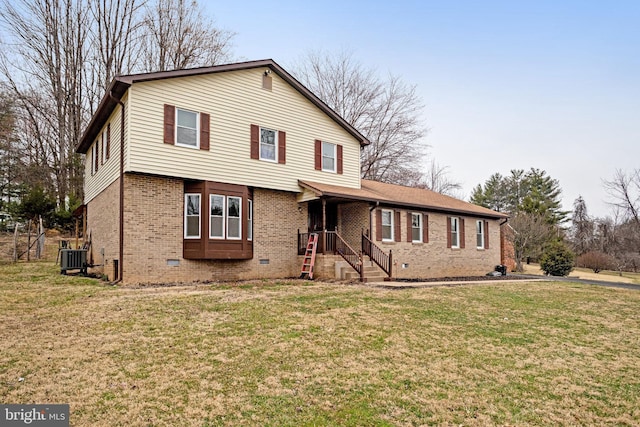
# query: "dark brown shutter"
[[204, 131], [97, 154], [339, 151], [169, 124], [486, 234], [108, 141], [103, 143], [448, 231], [378, 225], [282, 147], [255, 142], [425, 228], [461, 222], [409, 227], [318, 154], [396, 229]]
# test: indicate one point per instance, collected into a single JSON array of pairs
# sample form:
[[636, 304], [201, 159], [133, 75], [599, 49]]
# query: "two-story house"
[[221, 173]]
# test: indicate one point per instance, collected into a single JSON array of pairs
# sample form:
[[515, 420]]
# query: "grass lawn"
[[309, 353]]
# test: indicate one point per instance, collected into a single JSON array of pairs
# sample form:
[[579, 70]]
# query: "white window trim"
[[275, 141], [239, 218], [224, 215], [455, 244], [335, 157], [392, 238], [197, 146], [419, 215], [250, 220], [480, 226], [186, 196], [104, 146], [93, 159]]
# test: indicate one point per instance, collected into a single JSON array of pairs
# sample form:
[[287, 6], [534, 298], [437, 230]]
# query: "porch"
[[367, 262]]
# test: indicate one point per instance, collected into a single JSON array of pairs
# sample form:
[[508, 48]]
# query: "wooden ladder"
[[309, 257]]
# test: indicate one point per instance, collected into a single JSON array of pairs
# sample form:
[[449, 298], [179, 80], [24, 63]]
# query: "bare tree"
[[178, 35], [624, 189], [44, 69], [387, 111], [115, 40], [531, 231]]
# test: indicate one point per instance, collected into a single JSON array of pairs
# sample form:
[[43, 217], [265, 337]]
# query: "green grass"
[[280, 353]]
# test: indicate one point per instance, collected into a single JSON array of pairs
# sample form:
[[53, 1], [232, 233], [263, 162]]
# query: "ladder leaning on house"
[[309, 257]]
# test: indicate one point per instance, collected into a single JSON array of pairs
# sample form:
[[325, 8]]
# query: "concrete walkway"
[[516, 278]]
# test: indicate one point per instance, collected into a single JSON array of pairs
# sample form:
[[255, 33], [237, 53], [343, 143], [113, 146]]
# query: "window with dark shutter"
[[97, 154], [486, 234], [339, 149], [397, 227], [449, 231], [282, 147], [169, 124], [425, 228], [255, 141], [318, 155], [409, 227], [204, 131], [108, 141], [461, 233], [378, 225]]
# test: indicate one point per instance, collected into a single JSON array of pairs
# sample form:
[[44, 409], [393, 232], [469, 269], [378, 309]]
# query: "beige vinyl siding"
[[110, 170], [235, 100]]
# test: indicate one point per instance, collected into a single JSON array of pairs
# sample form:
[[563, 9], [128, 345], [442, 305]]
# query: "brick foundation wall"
[[103, 227], [154, 236]]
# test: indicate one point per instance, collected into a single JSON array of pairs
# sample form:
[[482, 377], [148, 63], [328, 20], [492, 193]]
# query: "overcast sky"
[[506, 84]]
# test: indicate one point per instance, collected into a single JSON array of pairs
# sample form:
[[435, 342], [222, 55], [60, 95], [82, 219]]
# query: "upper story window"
[[268, 144], [328, 157], [455, 232], [387, 225], [416, 227], [187, 129], [192, 216], [480, 234]]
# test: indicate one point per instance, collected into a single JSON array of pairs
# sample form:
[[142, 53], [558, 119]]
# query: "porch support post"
[[324, 226]]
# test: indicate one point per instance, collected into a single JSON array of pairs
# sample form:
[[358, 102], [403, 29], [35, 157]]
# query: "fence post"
[[390, 263], [29, 241], [15, 243]]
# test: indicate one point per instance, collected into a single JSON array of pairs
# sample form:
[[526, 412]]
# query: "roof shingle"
[[398, 195]]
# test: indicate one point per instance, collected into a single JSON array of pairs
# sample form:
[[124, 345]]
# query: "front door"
[[315, 216]]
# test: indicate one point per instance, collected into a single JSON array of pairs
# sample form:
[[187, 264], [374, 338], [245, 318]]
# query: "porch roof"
[[400, 196]]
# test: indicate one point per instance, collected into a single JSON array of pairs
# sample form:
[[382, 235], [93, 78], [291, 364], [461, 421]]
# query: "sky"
[[506, 85]]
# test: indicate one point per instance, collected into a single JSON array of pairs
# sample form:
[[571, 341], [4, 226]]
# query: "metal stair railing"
[[377, 255]]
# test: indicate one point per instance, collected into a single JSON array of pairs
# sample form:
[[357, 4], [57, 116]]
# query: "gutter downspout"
[[502, 242], [371, 218], [121, 213]]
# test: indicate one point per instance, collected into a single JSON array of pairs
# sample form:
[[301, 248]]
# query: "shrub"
[[596, 261], [557, 259]]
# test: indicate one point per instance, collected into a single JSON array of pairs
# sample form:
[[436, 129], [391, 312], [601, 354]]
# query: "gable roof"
[[120, 84], [401, 196]]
